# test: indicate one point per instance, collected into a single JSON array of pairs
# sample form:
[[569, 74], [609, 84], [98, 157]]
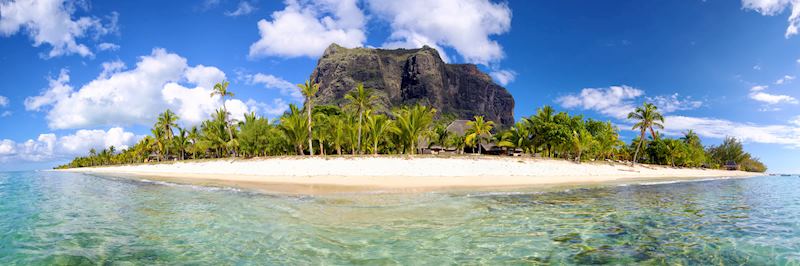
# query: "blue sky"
[[83, 74]]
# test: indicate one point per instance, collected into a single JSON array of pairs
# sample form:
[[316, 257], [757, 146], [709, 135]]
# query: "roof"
[[458, 127]]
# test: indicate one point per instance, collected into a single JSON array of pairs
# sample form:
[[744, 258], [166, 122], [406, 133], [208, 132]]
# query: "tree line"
[[362, 127]]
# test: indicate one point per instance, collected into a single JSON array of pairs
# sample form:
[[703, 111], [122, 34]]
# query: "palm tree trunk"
[[360, 117], [479, 146], [310, 141], [636, 154], [228, 126]]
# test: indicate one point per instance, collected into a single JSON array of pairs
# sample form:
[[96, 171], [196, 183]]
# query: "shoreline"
[[403, 174]]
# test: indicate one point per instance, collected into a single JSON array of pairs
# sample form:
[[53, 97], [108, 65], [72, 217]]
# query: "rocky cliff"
[[408, 76]]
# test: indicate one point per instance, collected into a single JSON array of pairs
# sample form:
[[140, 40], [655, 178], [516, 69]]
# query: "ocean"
[[51, 218]]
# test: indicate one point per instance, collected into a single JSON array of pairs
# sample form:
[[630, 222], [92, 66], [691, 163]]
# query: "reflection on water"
[[64, 218]]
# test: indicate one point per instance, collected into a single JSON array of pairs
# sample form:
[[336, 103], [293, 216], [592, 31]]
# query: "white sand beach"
[[330, 174]]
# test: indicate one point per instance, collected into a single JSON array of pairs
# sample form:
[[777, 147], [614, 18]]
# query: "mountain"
[[408, 76]]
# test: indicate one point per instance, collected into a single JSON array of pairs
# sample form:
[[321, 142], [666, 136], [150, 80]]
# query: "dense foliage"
[[361, 127]]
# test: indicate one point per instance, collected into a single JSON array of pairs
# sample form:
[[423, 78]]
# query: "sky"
[[88, 74]]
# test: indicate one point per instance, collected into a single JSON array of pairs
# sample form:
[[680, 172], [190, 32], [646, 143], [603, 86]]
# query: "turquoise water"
[[65, 218]]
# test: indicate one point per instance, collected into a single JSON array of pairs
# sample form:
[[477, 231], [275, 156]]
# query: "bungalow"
[[731, 165]]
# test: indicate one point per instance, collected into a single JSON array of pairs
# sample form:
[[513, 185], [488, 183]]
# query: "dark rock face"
[[408, 76]]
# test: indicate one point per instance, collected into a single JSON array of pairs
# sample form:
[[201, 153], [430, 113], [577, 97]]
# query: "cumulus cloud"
[[3, 101], [242, 9], [776, 7], [135, 96], [757, 93], [719, 128], [306, 28], [50, 22], [464, 25], [614, 101], [272, 110], [504, 76], [272, 82], [49, 146]]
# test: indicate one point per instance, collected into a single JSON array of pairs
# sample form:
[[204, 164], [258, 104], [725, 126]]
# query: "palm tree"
[[378, 125], [517, 137], [158, 142], [362, 100], [182, 142], [691, 138], [221, 89], [293, 125], [479, 129], [412, 122], [309, 89], [166, 121], [647, 117]]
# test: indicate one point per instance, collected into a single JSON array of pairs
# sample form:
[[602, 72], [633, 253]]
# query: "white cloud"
[[275, 109], [464, 25], [135, 96], [504, 76], [49, 146], [795, 121], [757, 67], [58, 89], [107, 46], [3, 101], [775, 7], [772, 98], [674, 102], [242, 9], [7, 147], [757, 93], [111, 67], [306, 28], [6, 113], [50, 22], [748, 132], [204, 76], [784, 79], [614, 101], [272, 82], [759, 88]]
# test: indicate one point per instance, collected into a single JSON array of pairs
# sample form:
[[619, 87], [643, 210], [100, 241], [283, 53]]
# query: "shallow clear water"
[[65, 218]]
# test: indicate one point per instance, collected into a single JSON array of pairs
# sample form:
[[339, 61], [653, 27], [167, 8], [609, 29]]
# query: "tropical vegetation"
[[364, 126]]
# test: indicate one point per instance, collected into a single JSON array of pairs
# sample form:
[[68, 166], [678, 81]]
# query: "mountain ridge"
[[409, 76]]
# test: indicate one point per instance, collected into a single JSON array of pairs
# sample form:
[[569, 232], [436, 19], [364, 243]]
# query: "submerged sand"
[[383, 173]]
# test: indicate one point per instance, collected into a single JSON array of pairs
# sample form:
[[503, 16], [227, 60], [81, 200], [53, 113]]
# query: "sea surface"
[[51, 218]]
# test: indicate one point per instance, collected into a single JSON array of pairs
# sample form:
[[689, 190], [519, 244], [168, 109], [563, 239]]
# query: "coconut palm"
[[411, 123], [646, 117], [478, 130], [293, 125], [378, 125], [221, 89], [309, 90], [362, 100], [182, 142], [518, 136], [166, 122], [691, 138]]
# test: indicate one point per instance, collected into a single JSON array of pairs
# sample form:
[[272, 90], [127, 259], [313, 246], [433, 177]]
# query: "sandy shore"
[[342, 174]]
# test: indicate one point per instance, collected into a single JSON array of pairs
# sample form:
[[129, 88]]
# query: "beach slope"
[[330, 174]]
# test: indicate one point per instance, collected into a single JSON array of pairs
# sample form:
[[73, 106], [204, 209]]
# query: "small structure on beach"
[[731, 165]]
